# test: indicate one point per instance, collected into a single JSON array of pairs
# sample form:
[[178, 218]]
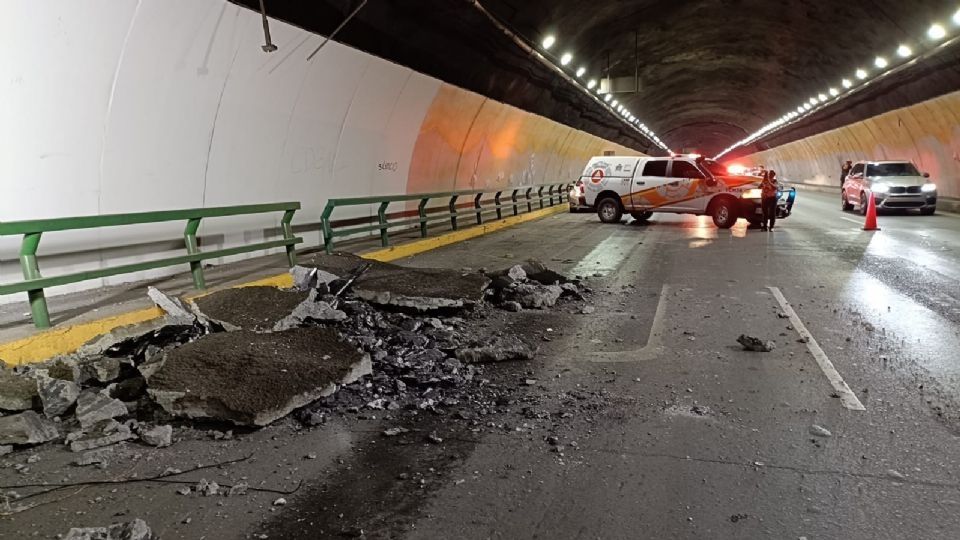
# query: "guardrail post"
[[550, 193], [477, 209], [31, 270], [453, 212], [513, 197], [327, 229], [190, 238], [422, 211], [560, 191], [496, 200], [382, 216], [529, 203], [286, 224], [540, 196]]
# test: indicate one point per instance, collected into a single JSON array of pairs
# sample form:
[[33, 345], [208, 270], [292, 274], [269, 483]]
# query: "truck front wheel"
[[609, 210], [724, 214]]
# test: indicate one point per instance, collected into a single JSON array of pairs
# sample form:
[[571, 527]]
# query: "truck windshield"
[[892, 169], [715, 168]]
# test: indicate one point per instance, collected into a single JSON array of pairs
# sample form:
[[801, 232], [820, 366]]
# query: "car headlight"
[[880, 188], [754, 193], [928, 188]]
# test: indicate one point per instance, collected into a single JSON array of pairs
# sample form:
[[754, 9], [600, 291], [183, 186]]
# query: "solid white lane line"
[[850, 219], [847, 397], [654, 346]]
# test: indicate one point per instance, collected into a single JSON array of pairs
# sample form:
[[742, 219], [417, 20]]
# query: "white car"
[[894, 184], [686, 184]]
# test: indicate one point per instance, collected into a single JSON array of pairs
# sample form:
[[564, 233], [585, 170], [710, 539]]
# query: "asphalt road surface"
[[687, 435]]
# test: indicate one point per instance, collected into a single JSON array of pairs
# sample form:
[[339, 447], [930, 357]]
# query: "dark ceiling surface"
[[710, 71]]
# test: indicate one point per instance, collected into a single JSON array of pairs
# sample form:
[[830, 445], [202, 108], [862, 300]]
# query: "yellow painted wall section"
[[467, 141], [927, 134]]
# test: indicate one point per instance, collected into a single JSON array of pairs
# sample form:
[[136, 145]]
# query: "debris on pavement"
[[278, 372], [250, 308], [27, 427], [132, 530], [158, 436], [56, 395], [755, 344], [17, 393], [820, 431]]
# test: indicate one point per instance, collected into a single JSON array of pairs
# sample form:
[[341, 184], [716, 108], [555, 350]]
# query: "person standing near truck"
[[769, 192], [844, 171]]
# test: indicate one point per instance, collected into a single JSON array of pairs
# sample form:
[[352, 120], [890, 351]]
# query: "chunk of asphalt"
[[820, 431], [311, 309], [535, 295], [158, 436], [250, 308], [103, 369], [131, 530], [421, 289], [498, 349], [755, 344], [27, 427], [253, 379], [537, 271], [17, 392], [56, 395], [305, 279], [103, 433], [96, 405]]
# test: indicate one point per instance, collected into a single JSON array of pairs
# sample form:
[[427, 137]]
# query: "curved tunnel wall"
[[126, 106], [927, 133]]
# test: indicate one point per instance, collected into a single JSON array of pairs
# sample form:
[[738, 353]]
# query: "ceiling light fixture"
[[834, 92], [822, 98], [904, 51], [566, 58], [880, 62], [591, 83], [548, 42], [847, 83], [861, 74], [580, 71], [606, 97], [956, 18], [937, 32]]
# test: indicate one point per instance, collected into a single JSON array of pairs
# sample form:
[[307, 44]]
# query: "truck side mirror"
[[926, 175]]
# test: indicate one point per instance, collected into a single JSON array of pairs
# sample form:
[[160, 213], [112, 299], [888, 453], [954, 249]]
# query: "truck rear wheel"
[[724, 213], [609, 210]]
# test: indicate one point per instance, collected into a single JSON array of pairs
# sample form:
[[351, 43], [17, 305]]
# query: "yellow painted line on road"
[[65, 340]]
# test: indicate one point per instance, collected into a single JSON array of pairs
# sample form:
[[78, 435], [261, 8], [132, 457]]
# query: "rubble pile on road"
[[352, 335]]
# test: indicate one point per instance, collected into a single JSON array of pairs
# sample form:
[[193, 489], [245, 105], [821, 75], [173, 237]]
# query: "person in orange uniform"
[[769, 188]]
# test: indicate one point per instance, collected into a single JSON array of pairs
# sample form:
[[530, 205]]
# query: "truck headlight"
[[928, 188], [881, 188], [751, 194]]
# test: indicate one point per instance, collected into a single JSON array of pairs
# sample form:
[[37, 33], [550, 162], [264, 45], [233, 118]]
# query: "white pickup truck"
[[683, 184]]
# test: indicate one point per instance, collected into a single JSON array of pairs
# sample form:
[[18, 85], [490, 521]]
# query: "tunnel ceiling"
[[710, 72]]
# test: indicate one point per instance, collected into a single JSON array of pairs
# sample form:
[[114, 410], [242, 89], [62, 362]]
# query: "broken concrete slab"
[[254, 379], [420, 289], [132, 530], [17, 392], [94, 457], [536, 296], [305, 278], [5, 449], [250, 308], [176, 312], [499, 349], [158, 436], [103, 433], [56, 395], [95, 406], [27, 427], [311, 309], [102, 369], [537, 271]]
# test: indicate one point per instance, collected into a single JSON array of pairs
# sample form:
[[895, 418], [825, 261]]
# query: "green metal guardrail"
[[555, 195], [34, 284]]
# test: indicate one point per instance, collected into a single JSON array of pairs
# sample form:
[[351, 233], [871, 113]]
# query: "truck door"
[[684, 188], [646, 183]]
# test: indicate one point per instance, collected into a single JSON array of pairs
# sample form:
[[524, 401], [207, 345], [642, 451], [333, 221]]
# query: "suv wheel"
[[863, 203], [609, 210], [724, 214]]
